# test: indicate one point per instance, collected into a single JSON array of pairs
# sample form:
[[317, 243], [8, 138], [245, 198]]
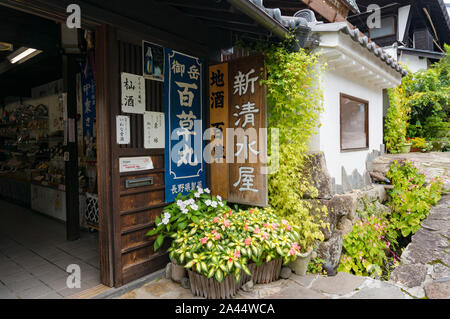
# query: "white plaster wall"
[[334, 83], [414, 63]]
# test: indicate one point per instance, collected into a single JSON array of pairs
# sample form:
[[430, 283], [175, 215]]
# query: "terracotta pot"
[[178, 271], [210, 288], [300, 265]]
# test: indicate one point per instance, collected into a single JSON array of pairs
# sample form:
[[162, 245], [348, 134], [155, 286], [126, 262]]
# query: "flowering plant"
[[421, 144], [225, 244], [185, 210], [365, 247], [411, 196]]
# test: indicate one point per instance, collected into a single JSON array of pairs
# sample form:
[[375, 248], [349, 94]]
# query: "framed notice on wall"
[[133, 93], [123, 129], [154, 130], [153, 61]]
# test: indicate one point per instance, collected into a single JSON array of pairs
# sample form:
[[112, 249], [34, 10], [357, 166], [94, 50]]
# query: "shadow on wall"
[[355, 180]]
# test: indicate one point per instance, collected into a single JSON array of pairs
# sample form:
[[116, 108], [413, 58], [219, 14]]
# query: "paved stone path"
[[341, 286], [425, 269], [432, 164]]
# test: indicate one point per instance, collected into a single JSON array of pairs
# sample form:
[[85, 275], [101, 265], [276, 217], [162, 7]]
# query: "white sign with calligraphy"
[[123, 129], [154, 136], [132, 164], [133, 93]]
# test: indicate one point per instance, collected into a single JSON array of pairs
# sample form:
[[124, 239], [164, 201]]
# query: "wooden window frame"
[[366, 126], [387, 35]]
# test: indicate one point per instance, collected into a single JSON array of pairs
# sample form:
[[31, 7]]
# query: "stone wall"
[[342, 209]]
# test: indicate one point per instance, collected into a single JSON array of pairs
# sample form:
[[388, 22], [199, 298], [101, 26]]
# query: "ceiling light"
[[22, 55]]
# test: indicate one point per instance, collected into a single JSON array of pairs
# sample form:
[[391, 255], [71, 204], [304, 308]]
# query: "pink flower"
[[288, 228], [295, 246], [284, 222], [230, 213], [237, 254], [230, 259], [245, 227], [204, 240], [251, 210], [266, 225], [256, 231], [247, 241], [275, 226], [266, 236], [217, 235], [292, 252], [226, 223], [216, 219]]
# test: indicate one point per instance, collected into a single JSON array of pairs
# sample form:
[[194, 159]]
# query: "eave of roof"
[[422, 53], [363, 40]]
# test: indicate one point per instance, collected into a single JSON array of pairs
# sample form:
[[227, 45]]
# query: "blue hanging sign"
[[88, 98], [183, 107]]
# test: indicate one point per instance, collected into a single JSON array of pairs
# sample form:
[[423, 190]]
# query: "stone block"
[[438, 289], [345, 225], [316, 167], [330, 251], [410, 275]]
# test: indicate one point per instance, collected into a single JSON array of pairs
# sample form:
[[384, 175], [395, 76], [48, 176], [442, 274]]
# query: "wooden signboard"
[[218, 119], [246, 151]]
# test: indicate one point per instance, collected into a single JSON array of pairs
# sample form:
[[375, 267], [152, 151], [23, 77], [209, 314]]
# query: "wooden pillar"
[[104, 57]]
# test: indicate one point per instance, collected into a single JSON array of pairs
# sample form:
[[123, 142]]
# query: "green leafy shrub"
[[411, 197], [365, 247], [186, 209], [294, 103], [397, 118], [225, 244]]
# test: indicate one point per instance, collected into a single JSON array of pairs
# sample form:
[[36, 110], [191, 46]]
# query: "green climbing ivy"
[[294, 99]]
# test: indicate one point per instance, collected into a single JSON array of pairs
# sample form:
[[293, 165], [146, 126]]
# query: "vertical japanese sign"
[[133, 93], [183, 106], [218, 116], [153, 130], [123, 129], [88, 99], [247, 147]]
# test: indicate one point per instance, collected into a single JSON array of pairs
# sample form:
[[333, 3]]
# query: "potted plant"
[[405, 147], [185, 210], [421, 145], [223, 252]]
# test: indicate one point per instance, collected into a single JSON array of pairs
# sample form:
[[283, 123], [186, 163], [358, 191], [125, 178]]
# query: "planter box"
[[266, 273], [210, 288]]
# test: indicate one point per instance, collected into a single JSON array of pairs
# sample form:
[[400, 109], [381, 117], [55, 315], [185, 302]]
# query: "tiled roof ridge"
[[297, 22]]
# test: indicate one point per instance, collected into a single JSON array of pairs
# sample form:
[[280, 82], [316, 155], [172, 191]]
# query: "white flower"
[[214, 204], [219, 197], [166, 215], [179, 202], [184, 211], [190, 201], [208, 202], [207, 190], [194, 206], [197, 195], [221, 204], [200, 190], [165, 221]]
